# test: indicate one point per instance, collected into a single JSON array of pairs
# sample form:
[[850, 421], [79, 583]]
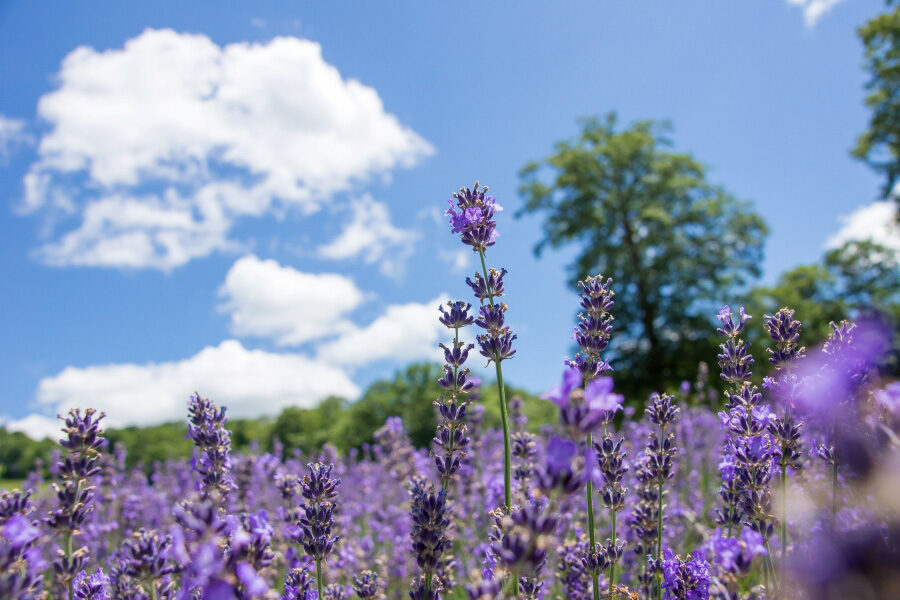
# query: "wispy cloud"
[[813, 10], [371, 236], [12, 135]]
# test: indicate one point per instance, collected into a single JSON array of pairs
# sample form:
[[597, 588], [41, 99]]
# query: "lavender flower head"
[[319, 489], [206, 428], [471, 215]]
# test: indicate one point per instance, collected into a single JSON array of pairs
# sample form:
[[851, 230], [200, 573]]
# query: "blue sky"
[[245, 197]]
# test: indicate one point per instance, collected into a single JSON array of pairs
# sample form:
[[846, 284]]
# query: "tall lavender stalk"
[[660, 453], [451, 439], [74, 494], [592, 334], [735, 362], [471, 215], [784, 330], [319, 489]]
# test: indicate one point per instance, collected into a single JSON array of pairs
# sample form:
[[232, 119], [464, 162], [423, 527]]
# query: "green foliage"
[[879, 145], [675, 245], [856, 281], [18, 453]]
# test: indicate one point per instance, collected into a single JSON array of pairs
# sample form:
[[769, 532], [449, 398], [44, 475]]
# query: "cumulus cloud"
[[35, 426], [12, 134], [813, 10], [249, 382], [372, 236], [156, 148], [403, 332], [876, 222], [265, 299]]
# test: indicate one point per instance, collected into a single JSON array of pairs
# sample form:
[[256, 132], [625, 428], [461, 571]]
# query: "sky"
[[246, 198]]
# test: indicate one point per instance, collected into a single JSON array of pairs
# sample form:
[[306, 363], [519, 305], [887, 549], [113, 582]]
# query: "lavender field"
[[780, 487]]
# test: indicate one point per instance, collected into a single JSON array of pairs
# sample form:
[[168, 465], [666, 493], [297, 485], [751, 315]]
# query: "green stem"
[[507, 459], [659, 521], [319, 585], [153, 595], [783, 517], [589, 487], [612, 564]]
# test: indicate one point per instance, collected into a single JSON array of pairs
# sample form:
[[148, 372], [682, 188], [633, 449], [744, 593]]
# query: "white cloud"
[[12, 134], [199, 135], [876, 222], [37, 427], [371, 235], [265, 299], [404, 332], [813, 10], [249, 382], [459, 259]]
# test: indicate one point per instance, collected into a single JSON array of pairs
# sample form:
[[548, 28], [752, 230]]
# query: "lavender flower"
[[367, 585], [21, 563], [74, 494], [472, 214], [146, 560], [207, 429], [319, 489], [659, 464], [685, 579], [298, 585], [452, 440], [429, 532], [91, 587]]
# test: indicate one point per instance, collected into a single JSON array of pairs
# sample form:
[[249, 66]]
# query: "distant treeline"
[[409, 394]]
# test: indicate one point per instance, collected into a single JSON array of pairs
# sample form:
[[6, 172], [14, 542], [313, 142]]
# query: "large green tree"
[[675, 245], [879, 145]]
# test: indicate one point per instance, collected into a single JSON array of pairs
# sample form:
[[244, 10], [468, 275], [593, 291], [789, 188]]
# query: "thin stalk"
[[783, 517], [446, 482], [319, 585], [589, 486], [507, 458], [153, 595], [659, 522], [834, 489], [659, 530], [612, 565]]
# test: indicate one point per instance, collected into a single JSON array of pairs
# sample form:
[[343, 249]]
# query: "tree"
[[675, 245], [879, 145], [859, 280]]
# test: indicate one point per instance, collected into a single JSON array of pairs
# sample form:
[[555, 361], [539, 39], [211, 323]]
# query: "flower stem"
[[783, 518], [507, 459], [612, 564], [659, 522], [319, 585], [589, 487]]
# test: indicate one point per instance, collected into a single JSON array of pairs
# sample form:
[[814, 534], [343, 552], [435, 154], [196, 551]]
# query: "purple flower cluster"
[[491, 514]]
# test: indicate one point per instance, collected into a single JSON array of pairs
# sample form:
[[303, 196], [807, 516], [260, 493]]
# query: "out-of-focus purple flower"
[[736, 555], [600, 398], [559, 473], [889, 399], [560, 394]]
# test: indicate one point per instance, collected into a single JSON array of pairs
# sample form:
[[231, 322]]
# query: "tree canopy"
[[675, 245], [879, 144]]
